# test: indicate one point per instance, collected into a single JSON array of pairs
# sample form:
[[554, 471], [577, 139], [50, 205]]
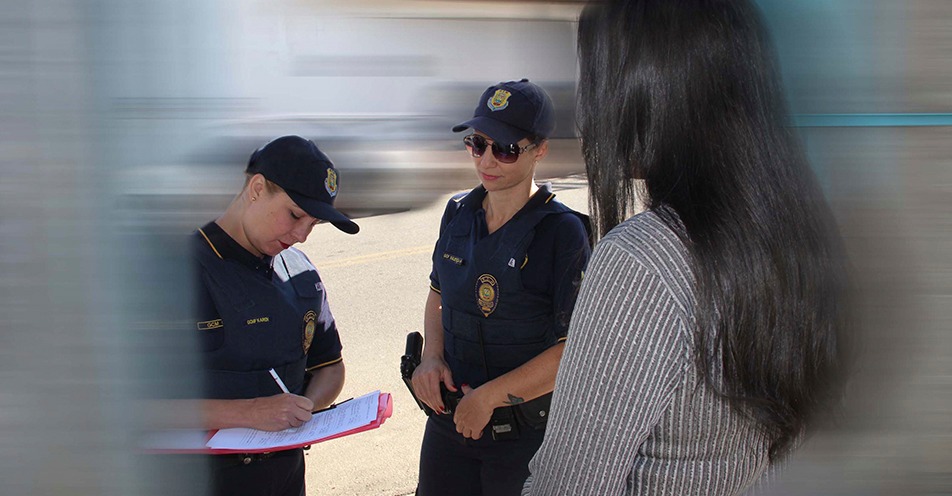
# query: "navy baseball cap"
[[305, 174], [508, 112]]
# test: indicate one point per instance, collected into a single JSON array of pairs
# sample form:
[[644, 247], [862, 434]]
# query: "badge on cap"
[[487, 294], [309, 319], [331, 182], [499, 101]]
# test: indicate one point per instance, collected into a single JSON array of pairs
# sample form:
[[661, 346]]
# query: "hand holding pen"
[[281, 411], [280, 383]]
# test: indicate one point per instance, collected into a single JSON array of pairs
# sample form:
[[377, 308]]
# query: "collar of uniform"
[[541, 197], [228, 248], [474, 199]]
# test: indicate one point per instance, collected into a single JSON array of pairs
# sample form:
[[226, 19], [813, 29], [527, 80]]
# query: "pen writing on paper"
[[278, 380], [344, 417]]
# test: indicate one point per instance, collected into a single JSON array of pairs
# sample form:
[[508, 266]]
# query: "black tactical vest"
[[491, 324], [264, 320]]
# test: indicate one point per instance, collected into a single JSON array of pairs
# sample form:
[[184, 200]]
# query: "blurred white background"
[[124, 124]]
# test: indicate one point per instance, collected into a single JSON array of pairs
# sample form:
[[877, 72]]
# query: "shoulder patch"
[[309, 326]]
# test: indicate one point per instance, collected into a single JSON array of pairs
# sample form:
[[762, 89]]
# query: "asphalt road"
[[377, 282]]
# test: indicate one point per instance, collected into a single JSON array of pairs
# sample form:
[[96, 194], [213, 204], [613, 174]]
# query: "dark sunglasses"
[[506, 154]]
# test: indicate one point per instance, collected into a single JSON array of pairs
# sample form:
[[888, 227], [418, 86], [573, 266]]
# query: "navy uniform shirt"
[[275, 315], [554, 262]]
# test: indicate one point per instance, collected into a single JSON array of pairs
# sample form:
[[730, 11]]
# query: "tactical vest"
[[491, 324], [264, 321]]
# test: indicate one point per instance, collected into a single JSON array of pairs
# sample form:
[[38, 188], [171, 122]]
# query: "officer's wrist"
[[432, 355], [492, 394]]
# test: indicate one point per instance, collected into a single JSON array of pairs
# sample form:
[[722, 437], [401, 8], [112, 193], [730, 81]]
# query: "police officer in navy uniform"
[[506, 270], [262, 306]]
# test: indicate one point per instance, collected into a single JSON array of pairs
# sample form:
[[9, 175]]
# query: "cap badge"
[[499, 101], [331, 182], [487, 294], [309, 319]]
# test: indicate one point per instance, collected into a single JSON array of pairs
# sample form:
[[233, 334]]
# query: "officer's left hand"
[[472, 413]]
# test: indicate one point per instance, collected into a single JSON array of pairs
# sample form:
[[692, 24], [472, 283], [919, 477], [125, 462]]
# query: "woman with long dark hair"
[[708, 332]]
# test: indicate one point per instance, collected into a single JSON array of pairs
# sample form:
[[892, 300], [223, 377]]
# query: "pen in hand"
[[279, 381]]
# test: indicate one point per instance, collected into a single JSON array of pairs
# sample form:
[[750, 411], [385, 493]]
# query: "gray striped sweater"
[[631, 415]]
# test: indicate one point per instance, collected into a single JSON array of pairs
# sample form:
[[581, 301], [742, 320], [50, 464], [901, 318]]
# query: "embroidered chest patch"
[[487, 294]]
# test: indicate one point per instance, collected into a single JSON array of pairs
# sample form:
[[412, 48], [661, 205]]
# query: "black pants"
[[451, 465], [282, 474]]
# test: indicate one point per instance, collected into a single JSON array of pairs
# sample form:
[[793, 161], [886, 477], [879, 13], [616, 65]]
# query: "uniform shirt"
[[325, 347], [554, 261]]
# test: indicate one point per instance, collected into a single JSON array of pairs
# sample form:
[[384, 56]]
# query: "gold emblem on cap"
[[331, 182], [309, 325], [499, 100], [487, 294]]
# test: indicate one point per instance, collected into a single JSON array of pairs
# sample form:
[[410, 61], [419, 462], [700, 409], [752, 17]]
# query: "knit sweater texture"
[[631, 413]]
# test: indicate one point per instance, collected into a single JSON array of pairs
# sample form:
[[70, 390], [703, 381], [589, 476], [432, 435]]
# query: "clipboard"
[[195, 442]]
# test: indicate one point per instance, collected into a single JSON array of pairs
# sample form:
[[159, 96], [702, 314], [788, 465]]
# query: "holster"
[[503, 424], [507, 421], [534, 413]]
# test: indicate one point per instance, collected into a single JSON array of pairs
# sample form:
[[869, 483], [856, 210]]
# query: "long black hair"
[[685, 95]]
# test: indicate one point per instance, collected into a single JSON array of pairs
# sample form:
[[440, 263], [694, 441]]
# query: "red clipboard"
[[384, 411]]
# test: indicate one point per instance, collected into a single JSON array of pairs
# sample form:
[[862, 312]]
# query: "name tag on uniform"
[[209, 325], [453, 258]]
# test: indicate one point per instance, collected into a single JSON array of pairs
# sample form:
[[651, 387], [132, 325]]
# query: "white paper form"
[[354, 413]]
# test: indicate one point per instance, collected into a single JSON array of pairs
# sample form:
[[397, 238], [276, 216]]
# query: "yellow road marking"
[[374, 257]]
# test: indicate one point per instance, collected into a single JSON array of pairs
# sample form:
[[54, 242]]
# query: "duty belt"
[[230, 460]]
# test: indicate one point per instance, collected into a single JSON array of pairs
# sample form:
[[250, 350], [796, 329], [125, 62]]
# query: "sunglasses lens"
[[477, 147], [505, 154], [476, 144]]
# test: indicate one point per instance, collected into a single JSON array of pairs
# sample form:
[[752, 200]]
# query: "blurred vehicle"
[[387, 163]]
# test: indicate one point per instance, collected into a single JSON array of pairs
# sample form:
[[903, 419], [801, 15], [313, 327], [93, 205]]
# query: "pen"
[[279, 381], [333, 406]]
